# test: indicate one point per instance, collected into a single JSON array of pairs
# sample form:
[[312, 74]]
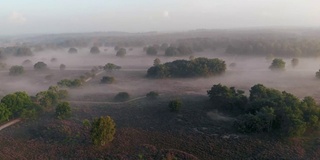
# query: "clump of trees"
[[51, 97], [16, 70], [95, 50], [40, 66], [121, 52], [294, 62], [70, 83], [102, 130], [152, 95], [267, 110], [107, 80], [72, 50], [277, 64], [63, 110], [121, 97], [199, 67], [111, 67], [175, 105]]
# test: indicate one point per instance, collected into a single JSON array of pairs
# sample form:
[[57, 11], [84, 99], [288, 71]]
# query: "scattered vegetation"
[[199, 67], [95, 50]]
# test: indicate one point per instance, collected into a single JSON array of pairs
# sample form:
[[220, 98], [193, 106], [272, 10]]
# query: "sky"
[[71, 16]]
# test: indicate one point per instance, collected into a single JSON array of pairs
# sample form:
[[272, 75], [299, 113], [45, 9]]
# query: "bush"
[[40, 66], [70, 83], [16, 70], [107, 80], [122, 96], [72, 50], [63, 110], [277, 64], [94, 50], [121, 52], [152, 95], [175, 105], [102, 130]]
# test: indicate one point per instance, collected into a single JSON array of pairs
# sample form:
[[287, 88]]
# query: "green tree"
[[102, 130], [16, 70], [63, 110], [40, 66], [156, 62], [16, 102], [277, 64], [4, 113], [152, 51]]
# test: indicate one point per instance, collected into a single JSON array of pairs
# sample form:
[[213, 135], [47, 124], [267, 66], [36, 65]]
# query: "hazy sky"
[[60, 16]]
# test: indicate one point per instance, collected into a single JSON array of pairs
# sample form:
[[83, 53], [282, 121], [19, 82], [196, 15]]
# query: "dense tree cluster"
[[277, 64], [51, 97], [16, 70], [199, 67], [267, 110], [62, 67], [152, 51], [70, 83], [16, 51]]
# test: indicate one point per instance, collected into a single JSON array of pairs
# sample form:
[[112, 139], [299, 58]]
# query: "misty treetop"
[[121, 52], [199, 67], [277, 64], [181, 50], [267, 110]]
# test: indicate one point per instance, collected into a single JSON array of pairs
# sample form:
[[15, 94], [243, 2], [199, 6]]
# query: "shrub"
[[107, 80], [102, 130], [277, 64], [152, 95], [122, 96], [175, 105], [72, 50], [63, 110], [16, 70], [40, 66]]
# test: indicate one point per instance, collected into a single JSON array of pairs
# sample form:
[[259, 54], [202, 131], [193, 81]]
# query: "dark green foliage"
[[175, 105], [63, 110], [16, 102], [269, 110], [102, 130], [72, 50], [5, 113], [16, 70], [277, 64], [50, 98], [40, 66], [107, 80], [199, 67], [70, 83], [95, 50], [122, 96], [294, 62], [111, 67], [152, 95], [121, 52], [172, 51], [152, 51]]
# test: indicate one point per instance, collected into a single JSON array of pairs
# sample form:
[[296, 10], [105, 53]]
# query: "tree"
[[294, 62], [95, 50], [152, 51], [111, 67], [16, 70], [152, 95], [62, 67], [107, 80], [70, 83], [26, 62], [4, 113], [122, 96], [175, 105], [16, 102], [53, 60], [102, 130], [277, 64], [63, 110], [318, 74], [23, 51], [72, 50], [171, 51], [121, 52], [40, 66], [156, 62]]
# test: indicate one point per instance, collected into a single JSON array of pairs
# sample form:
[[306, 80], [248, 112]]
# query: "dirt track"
[[12, 122]]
